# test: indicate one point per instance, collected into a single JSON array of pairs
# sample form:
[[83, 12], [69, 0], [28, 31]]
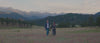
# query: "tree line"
[[8, 22], [92, 21]]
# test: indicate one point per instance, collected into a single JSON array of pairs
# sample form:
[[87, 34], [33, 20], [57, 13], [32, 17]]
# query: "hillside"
[[12, 15], [73, 18]]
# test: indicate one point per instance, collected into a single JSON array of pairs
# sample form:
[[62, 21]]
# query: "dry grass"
[[37, 35]]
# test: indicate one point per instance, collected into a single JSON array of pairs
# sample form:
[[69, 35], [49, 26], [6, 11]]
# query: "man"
[[47, 25]]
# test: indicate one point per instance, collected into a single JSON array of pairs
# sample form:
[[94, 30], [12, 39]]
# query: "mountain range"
[[72, 18], [32, 15], [39, 18]]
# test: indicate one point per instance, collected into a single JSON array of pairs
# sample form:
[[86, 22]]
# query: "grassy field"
[[37, 35]]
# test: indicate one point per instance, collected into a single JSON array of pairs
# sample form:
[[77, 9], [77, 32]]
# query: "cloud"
[[57, 6]]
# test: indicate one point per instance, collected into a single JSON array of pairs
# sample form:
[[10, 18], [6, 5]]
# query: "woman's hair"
[[53, 23], [47, 21]]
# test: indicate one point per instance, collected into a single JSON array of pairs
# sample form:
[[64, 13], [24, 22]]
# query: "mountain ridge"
[[30, 15]]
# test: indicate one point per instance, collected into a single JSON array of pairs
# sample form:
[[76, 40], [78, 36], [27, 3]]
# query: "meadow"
[[37, 34]]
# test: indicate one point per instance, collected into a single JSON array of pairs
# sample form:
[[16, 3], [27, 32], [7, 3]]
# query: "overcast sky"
[[55, 6]]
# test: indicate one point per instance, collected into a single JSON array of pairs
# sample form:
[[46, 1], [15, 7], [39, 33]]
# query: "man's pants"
[[47, 31]]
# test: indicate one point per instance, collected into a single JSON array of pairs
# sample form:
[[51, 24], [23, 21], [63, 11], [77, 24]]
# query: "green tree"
[[84, 24], [2, 20], [91, 21], [63, 25], [98, 21]]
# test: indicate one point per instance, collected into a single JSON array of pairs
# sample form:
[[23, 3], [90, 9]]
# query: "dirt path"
[[38, 36]]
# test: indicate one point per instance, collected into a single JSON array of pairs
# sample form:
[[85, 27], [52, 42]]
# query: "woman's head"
[[53, 23], [47, 21]]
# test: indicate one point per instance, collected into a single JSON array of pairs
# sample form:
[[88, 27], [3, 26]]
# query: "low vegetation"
[[90, 23], [10, 23]]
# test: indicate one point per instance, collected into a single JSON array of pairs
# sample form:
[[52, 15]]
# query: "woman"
[[53, 29]]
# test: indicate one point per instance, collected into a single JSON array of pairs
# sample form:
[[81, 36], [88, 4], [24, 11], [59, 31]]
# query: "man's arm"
[[45, 27]]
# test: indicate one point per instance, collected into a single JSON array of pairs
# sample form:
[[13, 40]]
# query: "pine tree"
[[98, 21], [91, 21]]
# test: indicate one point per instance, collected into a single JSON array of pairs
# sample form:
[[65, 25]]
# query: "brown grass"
[[37, 35]]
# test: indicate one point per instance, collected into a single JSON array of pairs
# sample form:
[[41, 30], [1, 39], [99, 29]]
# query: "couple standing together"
[[48, 28]]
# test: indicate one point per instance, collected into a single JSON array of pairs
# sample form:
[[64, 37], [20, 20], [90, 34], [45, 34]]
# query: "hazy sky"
[[55, 6]]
